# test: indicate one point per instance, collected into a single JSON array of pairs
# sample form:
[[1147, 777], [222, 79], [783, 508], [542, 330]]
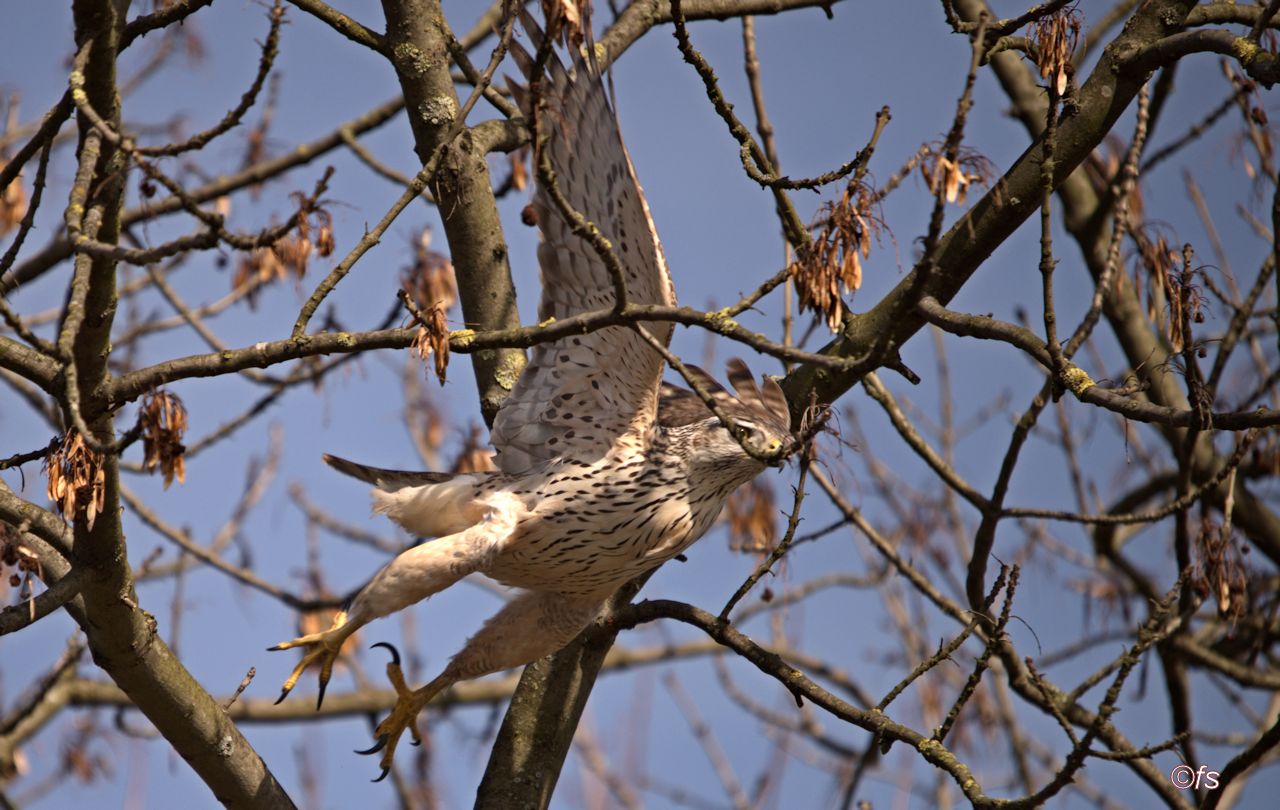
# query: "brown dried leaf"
[[261, 267], [433, 338], [952, 178], [1220, 571], [325, 242], [519, 174], [565, 18], [474, 456], [430, 280], [834, 260], [164, 421], [294, 253], [1168, 298], [1055, 38], [431, 422], [13, 202], [752, 518], [77, 479]]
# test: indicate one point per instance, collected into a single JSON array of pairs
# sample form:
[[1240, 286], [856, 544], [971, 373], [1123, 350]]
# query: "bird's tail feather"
[[389, 480], [435, 509], [427, 504]]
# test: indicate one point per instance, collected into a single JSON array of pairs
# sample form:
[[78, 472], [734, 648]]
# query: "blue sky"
[[824, 81]]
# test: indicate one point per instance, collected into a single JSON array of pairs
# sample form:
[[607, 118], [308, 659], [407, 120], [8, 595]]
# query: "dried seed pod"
[[834, 259], [260, 267], [475, 455], [77, 479], [519, 174], [13, 202], [1055, 38], [164, 421], [433, 338], [952, 178], [1220, 571], [752, 518], [565, 20], [429, 281]]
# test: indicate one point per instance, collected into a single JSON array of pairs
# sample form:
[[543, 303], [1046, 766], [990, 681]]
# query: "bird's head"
[[759, 421], [762, 440]]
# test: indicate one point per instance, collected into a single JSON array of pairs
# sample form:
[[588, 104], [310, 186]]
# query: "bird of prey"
[[604, 471]]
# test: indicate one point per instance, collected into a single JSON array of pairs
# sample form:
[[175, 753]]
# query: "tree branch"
[[873, 336], [121, 635], [348, 27]]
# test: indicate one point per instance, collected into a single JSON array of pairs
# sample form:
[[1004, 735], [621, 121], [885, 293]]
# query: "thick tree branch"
[[121, 636], [538, 728], [30, 364], [1087, 214], [980, 326], [642, 15], [57, 594], [464, 341], [873, 336], [1262, 66], [418, 43], [348, 27]]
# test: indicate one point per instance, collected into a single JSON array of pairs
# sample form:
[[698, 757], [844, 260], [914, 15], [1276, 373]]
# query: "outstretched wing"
[[579, 395]]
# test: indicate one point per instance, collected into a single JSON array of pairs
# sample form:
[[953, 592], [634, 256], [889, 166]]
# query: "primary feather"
[[578, 395]]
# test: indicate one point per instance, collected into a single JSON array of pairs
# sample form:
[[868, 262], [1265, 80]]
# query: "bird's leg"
[[323, 647], [411, 577], [528, 627], [409, 704]]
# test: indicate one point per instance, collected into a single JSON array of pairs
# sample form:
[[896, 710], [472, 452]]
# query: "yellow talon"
[[409, 704], [324, 647]]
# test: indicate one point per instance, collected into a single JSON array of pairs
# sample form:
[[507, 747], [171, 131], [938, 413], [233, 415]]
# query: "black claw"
[[395, 654], [284, 693], [378, 746], [385, 771], [274, 648], [320, 697], [415, 743]]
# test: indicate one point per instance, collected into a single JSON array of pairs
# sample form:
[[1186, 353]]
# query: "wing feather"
[[767, 404], [679, 406], [580, 395]]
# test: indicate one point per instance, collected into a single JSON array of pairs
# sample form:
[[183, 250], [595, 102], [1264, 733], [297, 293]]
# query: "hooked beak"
[[780, 452]]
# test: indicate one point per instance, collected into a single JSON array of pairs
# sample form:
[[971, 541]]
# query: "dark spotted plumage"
[[605, 472], [591, 529]]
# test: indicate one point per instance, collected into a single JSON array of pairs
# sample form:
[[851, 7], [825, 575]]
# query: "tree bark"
[[417, 41], [877, 334], [538, 728], [122, 637], [1087, 219]]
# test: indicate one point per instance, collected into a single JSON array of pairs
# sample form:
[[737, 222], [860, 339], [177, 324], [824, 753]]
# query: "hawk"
[[604, 471]]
